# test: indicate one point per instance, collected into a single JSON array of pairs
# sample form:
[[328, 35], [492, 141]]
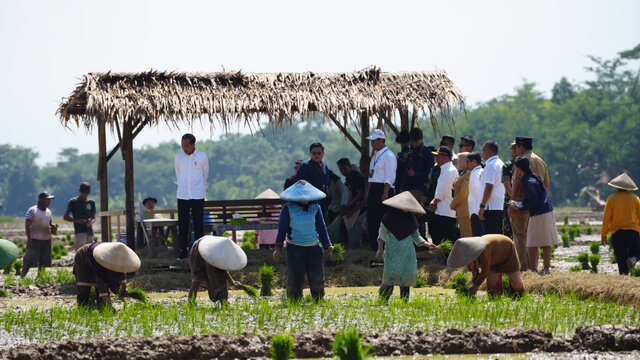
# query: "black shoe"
[[183, 255]]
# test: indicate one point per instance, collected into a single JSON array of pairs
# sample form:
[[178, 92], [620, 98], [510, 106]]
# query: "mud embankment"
[[606, 338]]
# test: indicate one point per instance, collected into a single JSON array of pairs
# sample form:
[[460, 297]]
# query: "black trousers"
[[444, 228], [493, 221], [626, 243], [195, 207], [375, 212], [477, 226]]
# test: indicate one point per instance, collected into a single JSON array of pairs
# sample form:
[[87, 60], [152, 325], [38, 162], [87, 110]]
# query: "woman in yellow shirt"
[[622, 220]]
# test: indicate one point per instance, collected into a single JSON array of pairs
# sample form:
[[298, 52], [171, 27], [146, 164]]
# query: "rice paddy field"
[[564, 313]]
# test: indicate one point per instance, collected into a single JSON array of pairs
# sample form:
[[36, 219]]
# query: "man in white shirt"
[[476, 190], [492, 205], [38, 226], [382, 176], [192, 172], [444, 221]]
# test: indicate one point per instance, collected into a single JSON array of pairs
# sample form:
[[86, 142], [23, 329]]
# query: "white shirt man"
[[192, 173], [476, 189], [443, 226], [492, 205], [444, 189]]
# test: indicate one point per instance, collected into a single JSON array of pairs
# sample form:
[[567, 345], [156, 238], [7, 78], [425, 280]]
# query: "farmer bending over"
[[209, 260], [104, 266], [488, 257]]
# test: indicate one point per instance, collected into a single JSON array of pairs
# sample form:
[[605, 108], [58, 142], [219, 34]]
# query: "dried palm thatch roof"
[[173, 97]]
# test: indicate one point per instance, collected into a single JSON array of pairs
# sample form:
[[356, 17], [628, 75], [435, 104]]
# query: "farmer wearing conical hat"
[[397, 235], [209, 260], [103, 265], [302, 223], [622, 220], [488, 257]]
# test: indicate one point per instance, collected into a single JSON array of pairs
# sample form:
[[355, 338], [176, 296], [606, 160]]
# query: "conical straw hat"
[[405, 201], [8, 253], [222, 253], [465, 250], [117, 257], [268, 194], [624, 182], [302, 191]]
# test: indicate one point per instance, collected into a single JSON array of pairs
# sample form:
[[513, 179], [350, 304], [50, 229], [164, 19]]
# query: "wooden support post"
[[127, 152], [364, 126], [404, 118], [345, 132], [103, 179]]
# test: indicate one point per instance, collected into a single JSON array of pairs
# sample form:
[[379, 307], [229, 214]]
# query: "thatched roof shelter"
[[132, 101]]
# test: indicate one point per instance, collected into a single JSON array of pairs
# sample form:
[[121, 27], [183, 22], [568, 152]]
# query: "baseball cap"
[[45, 195], [376, 134], [443, 150]]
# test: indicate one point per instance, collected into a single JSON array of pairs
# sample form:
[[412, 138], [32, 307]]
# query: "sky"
[[488, 48]]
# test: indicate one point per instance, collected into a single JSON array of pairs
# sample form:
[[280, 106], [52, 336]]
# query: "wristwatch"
[[482, 206]]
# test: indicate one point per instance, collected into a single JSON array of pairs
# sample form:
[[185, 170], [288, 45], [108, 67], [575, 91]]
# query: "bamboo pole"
[[364, 126], [103, 178], [127, 152]]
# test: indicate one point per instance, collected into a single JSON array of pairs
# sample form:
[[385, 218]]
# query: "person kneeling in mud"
[[488, 257], [209, 260], [103, 266]]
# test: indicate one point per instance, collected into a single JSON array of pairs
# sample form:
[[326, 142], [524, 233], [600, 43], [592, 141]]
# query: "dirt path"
[[318, 344]]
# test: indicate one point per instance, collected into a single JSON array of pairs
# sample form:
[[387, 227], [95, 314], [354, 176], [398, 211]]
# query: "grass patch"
[[560, 315], [281, 347], [348, 346]]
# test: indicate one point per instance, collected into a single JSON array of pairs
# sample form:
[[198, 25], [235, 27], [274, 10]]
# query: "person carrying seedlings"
[[488, 257], [38, 226], [301, 221], [397, 235], [541, 231], [622, 220], [103, 265], [210, 259]]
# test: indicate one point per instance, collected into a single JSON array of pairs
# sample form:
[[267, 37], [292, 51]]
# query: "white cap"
[[376, 134]]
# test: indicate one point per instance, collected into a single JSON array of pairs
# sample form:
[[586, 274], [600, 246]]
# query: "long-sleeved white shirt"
[[383, 164], [444, 189], [192, 173], [476, 190]]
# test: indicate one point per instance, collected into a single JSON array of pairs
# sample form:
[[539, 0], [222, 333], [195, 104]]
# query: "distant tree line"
[[585, 132]]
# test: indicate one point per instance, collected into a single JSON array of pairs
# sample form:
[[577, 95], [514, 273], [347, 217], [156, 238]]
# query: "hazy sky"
[[487, 47]]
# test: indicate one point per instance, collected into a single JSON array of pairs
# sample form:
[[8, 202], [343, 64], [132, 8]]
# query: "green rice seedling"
[[4, 293], [594, 247], [338, 253], [566, 240], [10, 280], [588, 230], [575, 229], [135, 293], [612, 256], [576, 268], [583, 258], [248, 245], [249, 236], [566, 220], [634, 272], [281, 347], [226, 234], [594, 260], [421, 282], [460, 284], [583, 222], [63, 276], [348, 345], [267, 280], [445, 247], [250, 290], [506, 286]]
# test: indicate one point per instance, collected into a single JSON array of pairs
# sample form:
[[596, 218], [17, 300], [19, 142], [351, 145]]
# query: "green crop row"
[[560, 315]]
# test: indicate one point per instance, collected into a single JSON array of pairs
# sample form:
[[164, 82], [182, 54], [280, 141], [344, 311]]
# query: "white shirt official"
[[192, 173], [492, 174], [384, 164], [476, 190], [444, 189]]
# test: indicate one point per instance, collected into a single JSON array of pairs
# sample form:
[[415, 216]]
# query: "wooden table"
[[157, 223]]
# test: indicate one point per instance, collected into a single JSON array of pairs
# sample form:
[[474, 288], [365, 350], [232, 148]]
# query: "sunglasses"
[[316, 153], [463, 145]]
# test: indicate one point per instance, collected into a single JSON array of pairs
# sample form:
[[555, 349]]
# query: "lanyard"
[[378, 158]]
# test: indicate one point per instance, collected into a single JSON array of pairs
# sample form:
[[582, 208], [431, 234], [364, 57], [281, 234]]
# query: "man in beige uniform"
[[520, 218]]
